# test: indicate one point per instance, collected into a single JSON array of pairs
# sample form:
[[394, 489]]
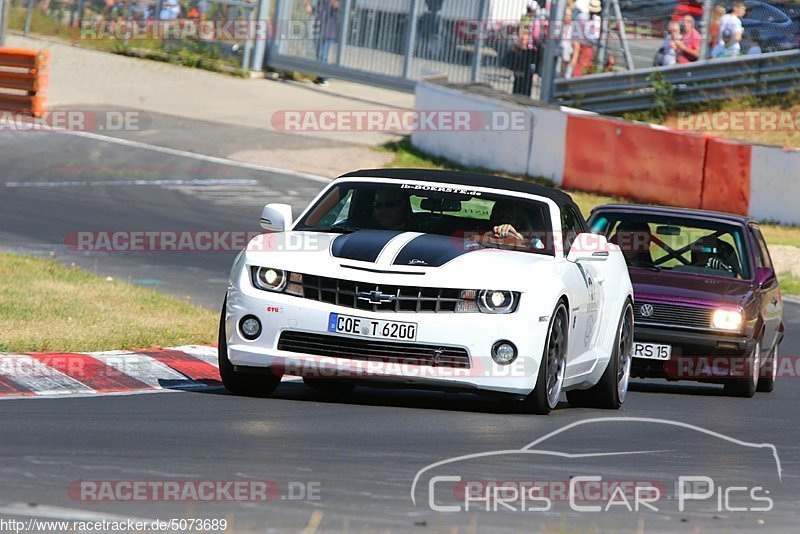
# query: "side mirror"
[[276, 217], [588, 247], [763, 275]]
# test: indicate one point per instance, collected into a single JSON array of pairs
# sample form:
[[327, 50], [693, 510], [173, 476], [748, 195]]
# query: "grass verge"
[[45, 306], [200, 55], [406, 155], [790, 284], [696, 118]]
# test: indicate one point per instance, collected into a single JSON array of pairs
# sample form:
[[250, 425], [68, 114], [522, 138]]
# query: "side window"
[[571, 226], [339, 212], [764, 258]]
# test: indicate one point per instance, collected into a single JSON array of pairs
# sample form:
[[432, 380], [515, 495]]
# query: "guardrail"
[[23, 78], [691, 83]]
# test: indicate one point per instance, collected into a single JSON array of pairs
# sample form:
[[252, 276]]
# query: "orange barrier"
[[726, 183], [622, 158], [23, 79]]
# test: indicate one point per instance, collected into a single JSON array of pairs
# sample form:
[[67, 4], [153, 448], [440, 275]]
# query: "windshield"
[[677, 244], [461, 213]]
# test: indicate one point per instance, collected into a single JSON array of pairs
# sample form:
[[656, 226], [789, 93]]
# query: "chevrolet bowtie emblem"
[[375, 297]]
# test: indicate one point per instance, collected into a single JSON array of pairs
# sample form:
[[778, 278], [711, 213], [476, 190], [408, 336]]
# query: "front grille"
[[673, 315], [406, 298], [372, 350]]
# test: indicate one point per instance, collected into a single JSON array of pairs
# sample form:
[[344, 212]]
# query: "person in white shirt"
[[733, 22]]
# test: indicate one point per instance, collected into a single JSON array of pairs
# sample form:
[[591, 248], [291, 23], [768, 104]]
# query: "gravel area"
[[786, 259]]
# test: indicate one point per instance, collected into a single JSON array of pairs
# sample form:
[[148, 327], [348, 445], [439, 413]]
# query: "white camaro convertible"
[[431, 279]]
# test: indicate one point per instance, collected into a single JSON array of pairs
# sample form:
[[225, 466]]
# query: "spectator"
[[688, 48], [713, 34], [585, 36], [755, 44], [728, 47], [565, 46], [429, 30], [202, 7], [170, 10], [326, 13], [668, 53], [140, 10], [733, 22], [524, 54]]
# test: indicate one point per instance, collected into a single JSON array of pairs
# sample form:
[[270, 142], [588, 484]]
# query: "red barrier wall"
[[726, 186], [621, 158]]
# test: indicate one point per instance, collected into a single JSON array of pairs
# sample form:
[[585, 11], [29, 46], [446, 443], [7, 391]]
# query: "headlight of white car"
[[487, 301], [277, 280], [269, 278], [727, 320]]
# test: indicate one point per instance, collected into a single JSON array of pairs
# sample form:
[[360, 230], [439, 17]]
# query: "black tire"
[[610, 392], [245, 384], [746, 386], [544, 398], [331, 385], [769, 371]]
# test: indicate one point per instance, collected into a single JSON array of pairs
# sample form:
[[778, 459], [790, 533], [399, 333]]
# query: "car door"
[[586, 283], [771, 304]]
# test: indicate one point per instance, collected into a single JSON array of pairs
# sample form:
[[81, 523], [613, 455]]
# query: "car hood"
[[402, 258], [689, 288]]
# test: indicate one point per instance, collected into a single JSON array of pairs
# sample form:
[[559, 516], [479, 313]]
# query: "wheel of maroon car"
[[769, 371], [246, 384], [746, 386], [611, 390]]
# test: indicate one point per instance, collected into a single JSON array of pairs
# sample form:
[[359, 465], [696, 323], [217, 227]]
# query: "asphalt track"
[[358, 454]]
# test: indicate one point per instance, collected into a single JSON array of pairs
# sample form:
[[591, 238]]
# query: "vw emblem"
[[646, 310], [375, 297]]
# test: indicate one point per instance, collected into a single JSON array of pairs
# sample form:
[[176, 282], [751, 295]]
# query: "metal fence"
[[395, 42], [766, 74]]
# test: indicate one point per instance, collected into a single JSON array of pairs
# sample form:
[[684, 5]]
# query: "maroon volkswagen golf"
[[707, 302]]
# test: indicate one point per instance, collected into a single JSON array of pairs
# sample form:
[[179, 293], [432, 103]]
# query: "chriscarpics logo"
[[609, 465]]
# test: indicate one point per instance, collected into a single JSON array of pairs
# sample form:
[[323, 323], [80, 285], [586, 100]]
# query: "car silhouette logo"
[[375, 297], [646, 310]]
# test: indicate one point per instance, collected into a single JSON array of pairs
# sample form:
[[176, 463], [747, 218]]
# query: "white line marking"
[[111, 183], [185, 154]]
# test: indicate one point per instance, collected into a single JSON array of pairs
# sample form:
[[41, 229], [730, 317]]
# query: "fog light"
[[504, 352], [250, 327]]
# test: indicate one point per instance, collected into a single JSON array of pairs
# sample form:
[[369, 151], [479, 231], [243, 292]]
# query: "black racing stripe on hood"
[[363, 245], [432, 250]]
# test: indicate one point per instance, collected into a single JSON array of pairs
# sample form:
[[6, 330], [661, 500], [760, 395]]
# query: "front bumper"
[[476, 333], [705, 357]]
